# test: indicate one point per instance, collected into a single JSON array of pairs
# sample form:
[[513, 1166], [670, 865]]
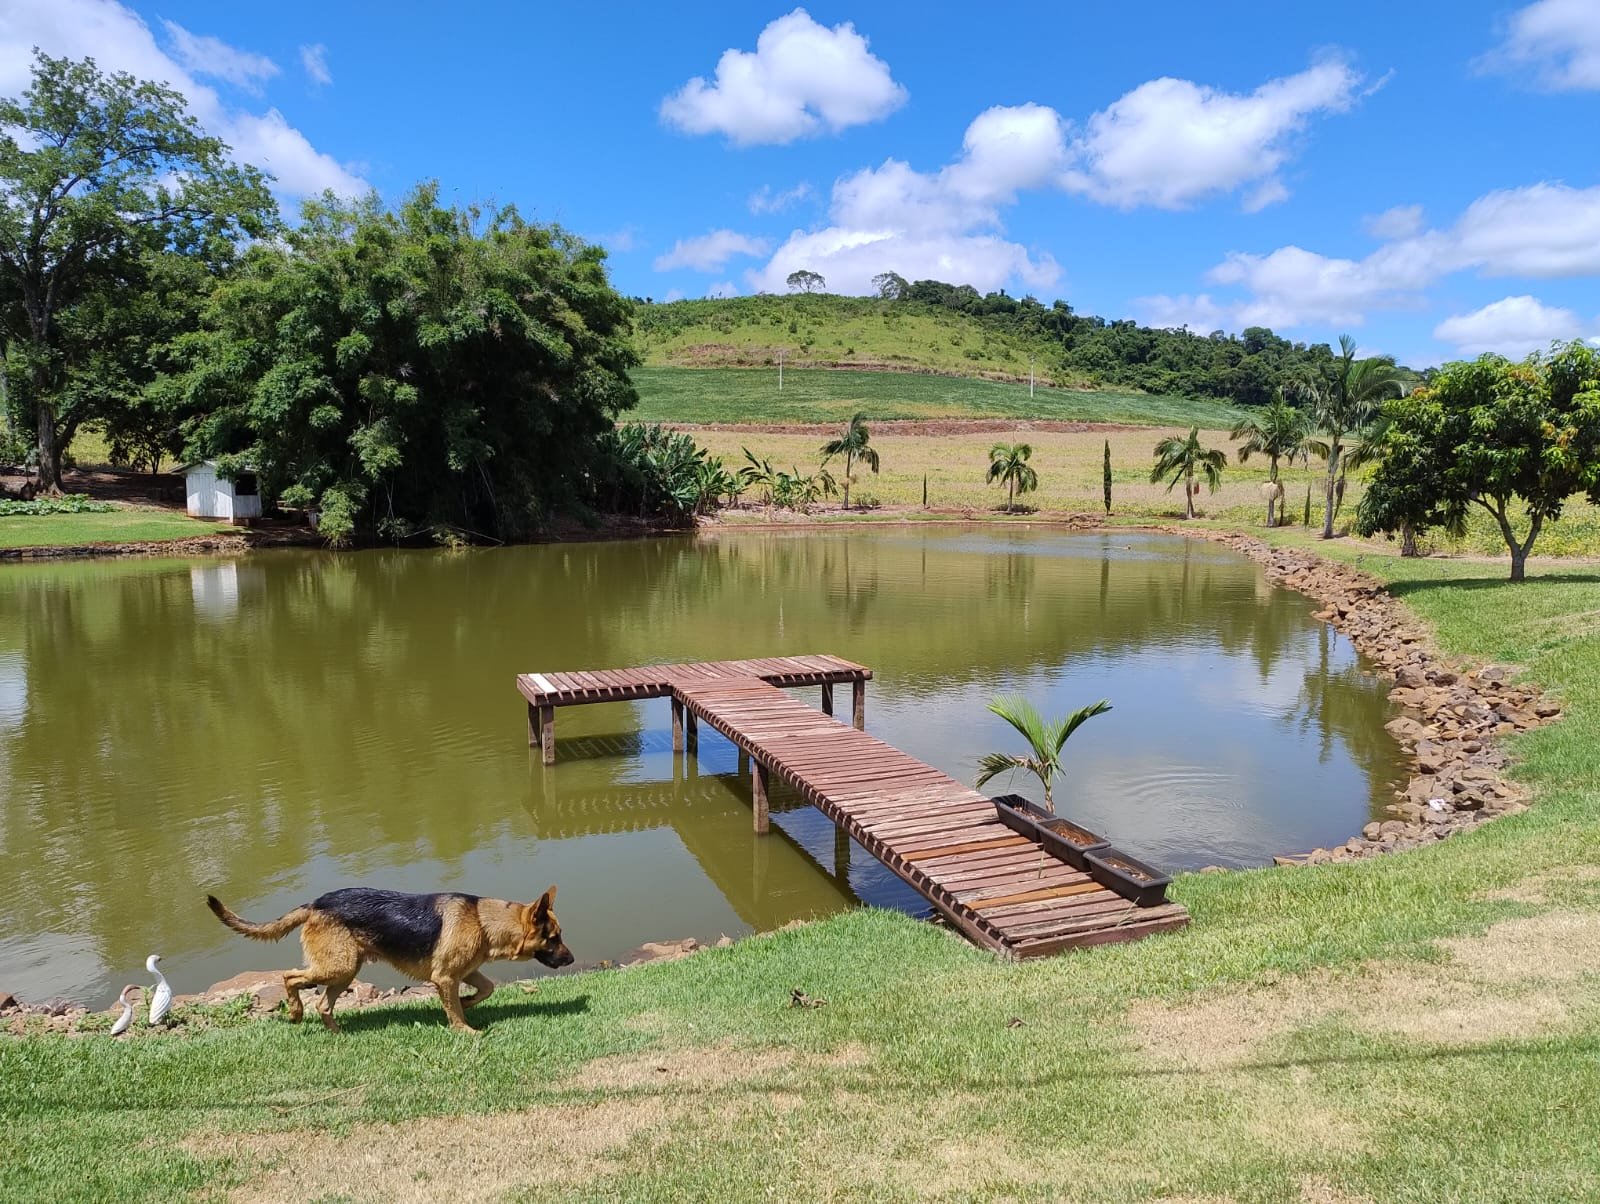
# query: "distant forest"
[[1246, 369]]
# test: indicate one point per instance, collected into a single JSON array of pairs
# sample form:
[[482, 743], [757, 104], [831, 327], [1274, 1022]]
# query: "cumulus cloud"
[[1512, 326], [119, 40], [802, 79], [709, 252], [1400, 222], [765, 200], [1198, 313], [943, 225], [1557, 40], [723, 288], [214, 57], [1542, 231], [1170, 142], [314, 59]]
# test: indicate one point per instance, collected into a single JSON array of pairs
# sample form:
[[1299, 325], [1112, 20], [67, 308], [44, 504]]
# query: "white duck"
[[161, 997], [124, 1020]]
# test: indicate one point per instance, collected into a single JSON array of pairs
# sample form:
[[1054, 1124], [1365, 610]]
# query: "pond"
[[270, 727]]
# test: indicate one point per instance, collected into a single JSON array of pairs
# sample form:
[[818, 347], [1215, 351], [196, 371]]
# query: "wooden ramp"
[[943, 838]]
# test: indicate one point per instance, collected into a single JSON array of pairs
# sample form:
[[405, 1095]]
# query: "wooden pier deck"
[[943, 838]]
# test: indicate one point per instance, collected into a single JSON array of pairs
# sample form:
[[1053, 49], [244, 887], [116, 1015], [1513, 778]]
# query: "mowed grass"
[[751, 395], [1070, 468], [129, 524], [1414, 1028]]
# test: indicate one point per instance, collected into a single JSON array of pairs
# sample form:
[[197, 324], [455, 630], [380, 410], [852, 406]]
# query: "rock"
[[1410, 677], [1547, 710], [1430, 757], [1434, 818], [1407, 731], [1212, 869], [1443, 677], [265, 985], [1391, 827], [8, 1001], [1373, 830]]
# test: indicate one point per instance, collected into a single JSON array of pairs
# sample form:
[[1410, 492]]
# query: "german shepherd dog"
[[438, 938]]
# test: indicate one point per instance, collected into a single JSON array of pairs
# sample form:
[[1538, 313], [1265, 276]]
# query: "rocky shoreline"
[[1453, 715]]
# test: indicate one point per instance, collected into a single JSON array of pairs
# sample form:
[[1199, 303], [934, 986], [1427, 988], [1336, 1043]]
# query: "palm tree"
[[1345, 398], [1181, 459], [852, 445], [1045, 740], [1279, 432], [1008, 463]]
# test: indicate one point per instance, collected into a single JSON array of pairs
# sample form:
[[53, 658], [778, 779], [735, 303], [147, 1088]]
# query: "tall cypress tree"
[[1105, 477]]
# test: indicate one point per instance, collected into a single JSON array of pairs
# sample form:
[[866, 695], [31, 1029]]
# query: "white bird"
[[161, 997], [121, 1026]]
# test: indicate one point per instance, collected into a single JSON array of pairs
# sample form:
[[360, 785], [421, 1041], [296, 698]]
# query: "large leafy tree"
[[1491, 433], [1345, 395], [414, 367], [853, 444], [1008, 464], [101, 177], [1280, 432], [1045, 738], [1180, 458]]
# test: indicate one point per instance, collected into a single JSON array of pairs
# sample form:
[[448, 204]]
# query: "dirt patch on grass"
[[705, 1068], [1537, 888], [439, 1157], [1489, 988], [1317, 1190]]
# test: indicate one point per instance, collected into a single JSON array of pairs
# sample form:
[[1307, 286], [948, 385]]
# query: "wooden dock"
[[943, 838]]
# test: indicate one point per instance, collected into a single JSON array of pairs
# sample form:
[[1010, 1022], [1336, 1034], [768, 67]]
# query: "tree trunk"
[[49, 470], [1333, 471], [1273, 496], [848, 458], [1519, 563], [1188, 494], [1011, 495], [1408, 540]]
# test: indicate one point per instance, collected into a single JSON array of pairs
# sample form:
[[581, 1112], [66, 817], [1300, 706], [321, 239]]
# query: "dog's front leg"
[[450, 996], [480, 983]]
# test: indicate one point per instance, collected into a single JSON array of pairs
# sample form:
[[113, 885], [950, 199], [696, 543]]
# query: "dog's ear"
[[542, 908]]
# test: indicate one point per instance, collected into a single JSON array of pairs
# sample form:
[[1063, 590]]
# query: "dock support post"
[[547, 737], [858, 696], [759, 781], [827, 698], [677, 726], [691, 731], [533, 725], [841, 856], [744, 761]]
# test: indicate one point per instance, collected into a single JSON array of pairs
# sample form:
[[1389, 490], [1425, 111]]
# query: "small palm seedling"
[[1045, 741]]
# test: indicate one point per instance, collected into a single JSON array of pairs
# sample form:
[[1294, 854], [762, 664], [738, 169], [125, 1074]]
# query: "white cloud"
[[1558, 39], [1171, 142], [709, 252], [119, 40], [314, 59], [724, 288], [1199, 313], [801, 79], [621, 241], [1542, 231], [941, 225], [673, 294], [765, 200], [1512, 326], [1400, 222], [214, 57]]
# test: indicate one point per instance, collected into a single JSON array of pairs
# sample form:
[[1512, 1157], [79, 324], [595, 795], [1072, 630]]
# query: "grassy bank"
[[1070, 467], [127, 525], [825, 395], [1419, 1027]]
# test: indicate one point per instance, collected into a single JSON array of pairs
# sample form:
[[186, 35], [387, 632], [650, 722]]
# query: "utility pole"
[[1030, 378], [780, 369]]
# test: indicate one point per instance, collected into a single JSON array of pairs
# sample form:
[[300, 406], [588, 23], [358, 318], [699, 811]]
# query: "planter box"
[[1141, 884], [1061, 838]]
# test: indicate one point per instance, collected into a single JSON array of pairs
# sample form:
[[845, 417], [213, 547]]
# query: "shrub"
[[72, 503]]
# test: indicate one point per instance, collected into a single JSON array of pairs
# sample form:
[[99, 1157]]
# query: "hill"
[[751, 395], [932, 327]]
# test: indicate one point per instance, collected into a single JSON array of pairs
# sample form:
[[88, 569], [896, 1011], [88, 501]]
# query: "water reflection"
[[272, 727]]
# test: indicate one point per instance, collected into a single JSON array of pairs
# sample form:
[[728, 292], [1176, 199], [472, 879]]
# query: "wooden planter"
[[1141, 884], [1059, 837]]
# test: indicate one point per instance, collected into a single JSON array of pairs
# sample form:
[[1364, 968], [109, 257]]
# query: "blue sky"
[[1425, 176]]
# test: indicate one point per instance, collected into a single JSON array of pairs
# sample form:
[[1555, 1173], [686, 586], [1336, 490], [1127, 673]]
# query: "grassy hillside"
[[832, 330], [705, 395]]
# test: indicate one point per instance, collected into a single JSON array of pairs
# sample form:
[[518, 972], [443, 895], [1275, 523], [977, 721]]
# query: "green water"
[[271, 727]]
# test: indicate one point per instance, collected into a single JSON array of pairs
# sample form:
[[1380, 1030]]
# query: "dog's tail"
[[272, 930]]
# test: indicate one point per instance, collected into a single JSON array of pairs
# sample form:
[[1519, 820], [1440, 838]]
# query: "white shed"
[[212, 495]]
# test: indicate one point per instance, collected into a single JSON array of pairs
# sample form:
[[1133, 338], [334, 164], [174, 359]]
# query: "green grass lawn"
[[128, 525], [1413, 1028], [697, 395]]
